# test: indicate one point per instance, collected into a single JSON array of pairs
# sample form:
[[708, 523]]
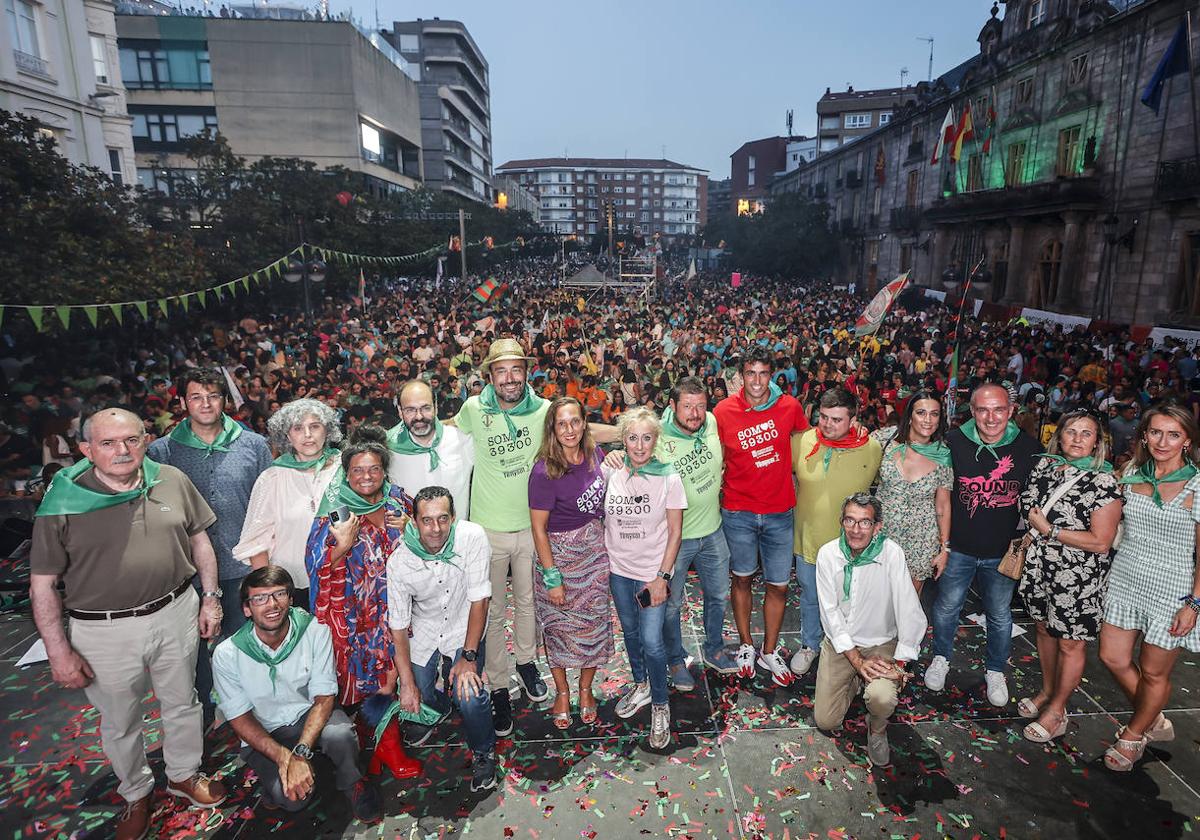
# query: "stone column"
[[1072, 260], [940, 257], [1014, 285]]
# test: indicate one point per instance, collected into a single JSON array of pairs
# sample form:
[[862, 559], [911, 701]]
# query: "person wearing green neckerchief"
[[126, 535], [439, 586], [278, 689], [873, 623], [223, 460], [425, 451], [506, 423], [992, 460], [1154, 584]]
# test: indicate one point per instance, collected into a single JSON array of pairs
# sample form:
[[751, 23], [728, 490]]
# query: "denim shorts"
[[751, 536]]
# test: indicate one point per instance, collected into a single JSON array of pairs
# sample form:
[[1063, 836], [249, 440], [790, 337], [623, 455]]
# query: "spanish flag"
[[964, 132]]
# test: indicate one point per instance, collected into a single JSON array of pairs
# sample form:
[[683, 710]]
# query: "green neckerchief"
[[651, 467], [1084, 463], [66, 496], [938, 452], [247, 642], [773, 395], [289, 461], [865, 559], [427, 716], [1010, 434], [1144, 475], [339, 492], [400, 439], [412, 539], [670, 429], [230, 431], [528, 405]]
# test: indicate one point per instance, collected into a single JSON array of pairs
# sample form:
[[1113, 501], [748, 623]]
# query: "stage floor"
[[745, 761]]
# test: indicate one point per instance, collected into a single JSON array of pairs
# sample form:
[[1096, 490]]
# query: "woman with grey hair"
[[285, 497]]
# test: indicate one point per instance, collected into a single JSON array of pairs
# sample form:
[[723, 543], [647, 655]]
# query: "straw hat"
[[503, 349]]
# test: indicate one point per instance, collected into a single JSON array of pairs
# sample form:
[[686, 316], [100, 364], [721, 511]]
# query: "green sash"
[[670, 429], [427, 716], [230, 431], [1010, 434], [399, 439], [773, 395], [938, 452], [1084, 463], [340, 493], [651, 467], [865, 559], [1144, 475], [66, 497], [289, 461], [412, 539], [246, 641], [528, 405]]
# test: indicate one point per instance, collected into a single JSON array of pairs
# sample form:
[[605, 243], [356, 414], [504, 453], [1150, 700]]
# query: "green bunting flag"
[[203, 296], [117, 312], [93, 314], [184, 300], [64, 315], [143, 308], [246, 283], [35, 315], [162, 304], [1, 315]]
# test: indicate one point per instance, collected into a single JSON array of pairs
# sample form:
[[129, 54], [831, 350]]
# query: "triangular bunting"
[[184, 300], [117, 312], [162, 304], [64, 315], [93, 314], [143, 308], [202, 295], [35, 315], [217, 291], [246, 283]]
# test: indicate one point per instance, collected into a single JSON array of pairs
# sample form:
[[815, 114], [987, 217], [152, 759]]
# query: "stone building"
[[1083, 202]]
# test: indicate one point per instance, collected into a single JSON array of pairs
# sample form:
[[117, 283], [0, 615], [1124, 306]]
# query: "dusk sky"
[[699, 78]]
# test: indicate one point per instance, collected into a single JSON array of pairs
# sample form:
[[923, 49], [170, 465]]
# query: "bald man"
[[125, 535], [428, 453]]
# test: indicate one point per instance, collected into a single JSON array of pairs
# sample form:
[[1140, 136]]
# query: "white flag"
[[692, 269]]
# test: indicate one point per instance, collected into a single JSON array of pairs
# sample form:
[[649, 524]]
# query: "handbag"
[[1012, 564]]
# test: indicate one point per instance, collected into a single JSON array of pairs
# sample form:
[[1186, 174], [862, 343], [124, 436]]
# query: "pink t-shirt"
[[635, 520]]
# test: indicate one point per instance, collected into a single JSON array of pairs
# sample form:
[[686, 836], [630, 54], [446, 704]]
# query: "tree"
[[790, 238]]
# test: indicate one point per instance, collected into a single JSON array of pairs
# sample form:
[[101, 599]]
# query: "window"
[[99, 59], [1050, 270], [370, 140], [1024, 92], [974, 173], [410, 43], [910, 194], [1014, 165], [856, 121], [872, 251], [114, 166], [1069, 159], [170, 127], [1077, 70], [906, 258], [751, 162], [1035, 13], [885, 118], [750, 178], [22, 23]]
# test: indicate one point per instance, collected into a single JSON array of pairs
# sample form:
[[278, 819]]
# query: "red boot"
[[389, 753]]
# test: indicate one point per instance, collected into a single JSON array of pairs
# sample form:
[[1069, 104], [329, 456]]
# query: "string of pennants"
[[276, 269]]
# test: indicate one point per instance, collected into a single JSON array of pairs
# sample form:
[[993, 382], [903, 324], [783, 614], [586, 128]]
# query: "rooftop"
[[851, 93], [596, 163]]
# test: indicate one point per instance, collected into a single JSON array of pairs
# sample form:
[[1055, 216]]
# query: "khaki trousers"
[[510, 550], [129, 656], [838, 682]]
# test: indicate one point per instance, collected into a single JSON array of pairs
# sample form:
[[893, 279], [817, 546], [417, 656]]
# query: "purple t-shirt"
[[573, 500]]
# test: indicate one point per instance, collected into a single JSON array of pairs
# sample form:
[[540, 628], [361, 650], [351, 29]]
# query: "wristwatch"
[[470, 655], [216, 593], [665, 576], [303, 751]]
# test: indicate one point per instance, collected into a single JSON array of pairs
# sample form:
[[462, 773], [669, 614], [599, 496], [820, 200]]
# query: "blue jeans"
[[643, 629], [710, 557], [754, 535], [997, 592], [476, 710], [811, 631]]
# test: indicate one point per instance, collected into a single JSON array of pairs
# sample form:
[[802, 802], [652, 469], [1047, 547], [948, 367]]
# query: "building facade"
[[456, 109], [1085, 200], [799, 151], [751, 169], [59, 66], [323, 91], [719, 198], [647, 196], [510, 194], [847, 114]]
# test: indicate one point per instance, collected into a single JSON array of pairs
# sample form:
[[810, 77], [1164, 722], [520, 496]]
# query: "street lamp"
[[311, 271]]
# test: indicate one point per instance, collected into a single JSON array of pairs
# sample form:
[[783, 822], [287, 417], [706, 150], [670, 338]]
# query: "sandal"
[[1161, 730], [561, 720], [1117, 761], [1041, 735], [588, 713], [1027, 708]]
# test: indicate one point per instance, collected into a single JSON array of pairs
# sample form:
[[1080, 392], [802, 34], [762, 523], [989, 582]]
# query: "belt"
[[148, 608]]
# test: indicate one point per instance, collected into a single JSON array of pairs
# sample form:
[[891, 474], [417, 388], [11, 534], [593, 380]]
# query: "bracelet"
[[551, 576], [1191, 602]]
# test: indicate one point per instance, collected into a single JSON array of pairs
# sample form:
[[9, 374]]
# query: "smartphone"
[[339, 514], [643, 597]]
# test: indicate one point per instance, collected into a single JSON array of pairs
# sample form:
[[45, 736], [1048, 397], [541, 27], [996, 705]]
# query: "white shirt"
[[456, 459], [245, 685], [283, 505], [435, 598], [883, 603]]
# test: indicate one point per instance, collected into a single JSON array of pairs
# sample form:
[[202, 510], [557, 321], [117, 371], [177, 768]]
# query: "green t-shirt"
[[819, 494], [500, 483], [701, 474]]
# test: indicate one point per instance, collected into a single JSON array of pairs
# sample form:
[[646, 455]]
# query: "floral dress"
[[1063, 587], [909, 513], [351, 600]]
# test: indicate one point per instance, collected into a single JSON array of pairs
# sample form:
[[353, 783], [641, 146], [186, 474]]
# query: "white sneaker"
[[660, 726], [633, 699], [802, 660], [935, 674], [745, 660], [777, 666], [997, 687]]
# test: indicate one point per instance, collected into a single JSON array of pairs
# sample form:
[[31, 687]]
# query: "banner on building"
[[872, 317], [1069, 322]]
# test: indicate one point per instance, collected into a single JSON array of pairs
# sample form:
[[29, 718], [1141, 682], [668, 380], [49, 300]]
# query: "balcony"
[[31, 64], [905, 218], [853, 180], [1178, 180], [916, 150], [1041, 199]]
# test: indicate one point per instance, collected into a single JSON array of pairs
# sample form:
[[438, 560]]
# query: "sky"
[[695, 79]]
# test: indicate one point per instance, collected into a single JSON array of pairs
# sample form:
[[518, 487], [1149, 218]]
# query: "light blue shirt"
[[244, 685]]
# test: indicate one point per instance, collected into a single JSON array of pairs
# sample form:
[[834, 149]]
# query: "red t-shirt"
[[758, 453]]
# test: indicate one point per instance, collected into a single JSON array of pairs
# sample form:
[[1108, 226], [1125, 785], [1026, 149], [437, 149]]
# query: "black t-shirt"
[[987, 490]]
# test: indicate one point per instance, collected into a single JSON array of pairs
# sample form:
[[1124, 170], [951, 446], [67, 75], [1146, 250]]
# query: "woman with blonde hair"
[[1154, 586], [570, 591]]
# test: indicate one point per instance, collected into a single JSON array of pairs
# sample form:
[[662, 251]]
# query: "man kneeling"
[[872, 617], [277, 685], [439, 586]]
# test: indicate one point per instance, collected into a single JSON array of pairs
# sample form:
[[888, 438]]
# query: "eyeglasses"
[[850, 523], [205, 399], [278, 596]]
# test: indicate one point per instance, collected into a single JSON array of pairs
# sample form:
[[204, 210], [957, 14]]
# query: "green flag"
[[117, 312], [93, 314], [202, 295], [162, 304], [246, 283], [35, 315], [64, 315], [143, 308], [217, 291], [184, 300]]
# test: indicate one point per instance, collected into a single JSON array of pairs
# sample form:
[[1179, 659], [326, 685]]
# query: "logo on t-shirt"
[[991, 490], [754, 436], [591, 499]]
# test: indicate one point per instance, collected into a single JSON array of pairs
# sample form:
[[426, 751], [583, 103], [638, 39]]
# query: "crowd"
[[310, 530]]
